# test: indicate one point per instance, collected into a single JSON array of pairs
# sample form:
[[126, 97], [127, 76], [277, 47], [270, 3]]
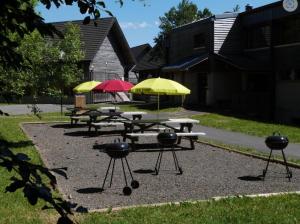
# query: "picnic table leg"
[[181, 130]]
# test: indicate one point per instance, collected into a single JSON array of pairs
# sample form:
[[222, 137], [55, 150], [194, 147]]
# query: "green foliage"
[[236, 8], [250, 127], [18, 17], [44, 71]]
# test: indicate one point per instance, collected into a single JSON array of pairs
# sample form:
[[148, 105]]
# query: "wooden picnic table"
[[137, 128]]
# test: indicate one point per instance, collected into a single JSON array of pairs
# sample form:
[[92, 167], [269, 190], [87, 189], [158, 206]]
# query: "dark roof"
[[93, 36], [205, 20], [139, 51], [261, 8], [244, 63], [149, 62], [186, 64]]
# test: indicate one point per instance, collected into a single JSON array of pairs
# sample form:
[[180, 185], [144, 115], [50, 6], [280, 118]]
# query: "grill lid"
[[276, 141]]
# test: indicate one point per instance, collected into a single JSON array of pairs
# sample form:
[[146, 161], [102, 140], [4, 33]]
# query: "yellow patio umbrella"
[[86, 86], [160, 86]]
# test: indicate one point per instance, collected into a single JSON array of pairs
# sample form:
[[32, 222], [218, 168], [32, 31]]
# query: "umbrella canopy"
[[85, 86], [113, 85], [160, 86]]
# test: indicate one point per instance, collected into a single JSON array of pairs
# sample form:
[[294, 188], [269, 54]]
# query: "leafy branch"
[[30, 179]]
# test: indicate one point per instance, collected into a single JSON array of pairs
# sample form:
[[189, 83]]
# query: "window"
[[258, 36], [289, 74], [287, 30], [199, 40]]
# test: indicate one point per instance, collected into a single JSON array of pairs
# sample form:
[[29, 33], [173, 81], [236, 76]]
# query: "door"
[[202, 88]]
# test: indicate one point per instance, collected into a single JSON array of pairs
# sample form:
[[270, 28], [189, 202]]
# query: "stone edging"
[[291, 164]]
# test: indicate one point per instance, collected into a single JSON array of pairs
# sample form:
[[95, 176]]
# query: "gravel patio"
[[207, 171]]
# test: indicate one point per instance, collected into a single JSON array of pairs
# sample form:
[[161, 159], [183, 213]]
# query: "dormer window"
[[199, 40]]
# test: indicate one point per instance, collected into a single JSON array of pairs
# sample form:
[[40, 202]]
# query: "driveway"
[[17, 109]]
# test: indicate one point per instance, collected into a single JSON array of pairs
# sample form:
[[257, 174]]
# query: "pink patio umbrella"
[[113, 86]]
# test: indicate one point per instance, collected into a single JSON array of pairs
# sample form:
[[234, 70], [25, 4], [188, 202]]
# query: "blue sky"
[[140, 22]]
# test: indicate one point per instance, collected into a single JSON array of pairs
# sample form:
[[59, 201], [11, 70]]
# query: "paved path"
[[227, 137], [17, 109], [235, 138]]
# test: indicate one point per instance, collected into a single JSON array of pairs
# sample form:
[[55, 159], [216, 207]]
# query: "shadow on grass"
[[19, 144]]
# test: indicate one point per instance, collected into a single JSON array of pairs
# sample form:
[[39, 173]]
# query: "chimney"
[[248, 8]]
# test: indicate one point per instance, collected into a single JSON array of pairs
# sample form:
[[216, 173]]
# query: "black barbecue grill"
[[119, 150], [167, 140], [277, 142]]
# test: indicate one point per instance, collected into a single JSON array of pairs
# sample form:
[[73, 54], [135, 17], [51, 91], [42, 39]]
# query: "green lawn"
[[15, 209], [250, 127]]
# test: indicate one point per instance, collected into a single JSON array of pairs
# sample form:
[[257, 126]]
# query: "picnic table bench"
[[192, 136]]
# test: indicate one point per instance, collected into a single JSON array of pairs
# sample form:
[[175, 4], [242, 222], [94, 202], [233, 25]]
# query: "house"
[[138, 53], [107, 53], [246, 62]]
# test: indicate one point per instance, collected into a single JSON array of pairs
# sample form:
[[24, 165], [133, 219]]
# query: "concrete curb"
[[291, 164], [178, 203]]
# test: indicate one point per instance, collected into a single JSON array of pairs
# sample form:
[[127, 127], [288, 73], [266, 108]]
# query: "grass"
[[277, 209], [249, 127], [15, 209]]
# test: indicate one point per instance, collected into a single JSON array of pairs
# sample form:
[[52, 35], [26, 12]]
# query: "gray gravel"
[[207, 171]]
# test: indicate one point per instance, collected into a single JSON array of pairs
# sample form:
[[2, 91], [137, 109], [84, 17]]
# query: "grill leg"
[[158, 162], [288, 172], [266, 169], [177, 167], [124, 172], [128, 168], [112, 172], [106, 174]]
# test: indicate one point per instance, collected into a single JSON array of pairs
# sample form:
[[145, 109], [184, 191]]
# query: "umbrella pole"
[[157, 107]]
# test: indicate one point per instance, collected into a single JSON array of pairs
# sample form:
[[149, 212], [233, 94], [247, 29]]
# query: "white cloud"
[[135, 26], [157, 23]]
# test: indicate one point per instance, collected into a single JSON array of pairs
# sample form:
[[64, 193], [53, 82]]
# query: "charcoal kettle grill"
[[119, 150], [277, 142], [167, 139]]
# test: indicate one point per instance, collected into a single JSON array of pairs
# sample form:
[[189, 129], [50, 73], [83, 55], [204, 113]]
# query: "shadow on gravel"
[[93, 134], [68, 126], [90, 190], [154, 147], [251, 178], [143, 171]]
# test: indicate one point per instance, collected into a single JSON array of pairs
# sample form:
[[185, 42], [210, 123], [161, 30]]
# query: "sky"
[[140, 20]]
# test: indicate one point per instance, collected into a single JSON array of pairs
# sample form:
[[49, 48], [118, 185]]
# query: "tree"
[[236, 8], [49, 66], [18, 17], [184, 13]]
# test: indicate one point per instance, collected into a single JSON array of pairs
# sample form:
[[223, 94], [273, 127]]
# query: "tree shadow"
[[19, 144]]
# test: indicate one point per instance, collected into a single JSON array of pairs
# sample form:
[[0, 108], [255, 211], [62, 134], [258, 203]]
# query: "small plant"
[[35, 109]]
